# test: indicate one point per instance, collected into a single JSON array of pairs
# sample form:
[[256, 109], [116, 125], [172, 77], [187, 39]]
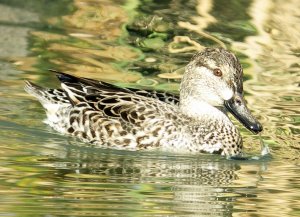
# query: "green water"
[[145, 44]]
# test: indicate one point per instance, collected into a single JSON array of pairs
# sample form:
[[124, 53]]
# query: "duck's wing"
[[130, 110], [103, 86], [166, 97], [97, 111]]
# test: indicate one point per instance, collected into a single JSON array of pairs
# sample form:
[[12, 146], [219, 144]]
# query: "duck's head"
[[215, 76]]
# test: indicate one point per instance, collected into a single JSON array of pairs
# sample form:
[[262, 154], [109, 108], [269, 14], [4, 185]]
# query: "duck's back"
[[107, 115]]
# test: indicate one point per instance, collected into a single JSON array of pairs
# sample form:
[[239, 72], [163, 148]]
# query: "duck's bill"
[[237, 106]]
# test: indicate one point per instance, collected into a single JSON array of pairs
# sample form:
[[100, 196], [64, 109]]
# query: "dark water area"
[[146, 44]]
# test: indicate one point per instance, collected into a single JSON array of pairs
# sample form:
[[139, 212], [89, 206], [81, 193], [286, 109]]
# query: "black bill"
[[237, 106]]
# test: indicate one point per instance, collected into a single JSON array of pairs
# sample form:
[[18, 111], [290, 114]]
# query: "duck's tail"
[[46, 96], [36, 91]]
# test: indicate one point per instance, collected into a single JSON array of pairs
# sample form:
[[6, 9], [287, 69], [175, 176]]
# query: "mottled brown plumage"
[[131, 119]]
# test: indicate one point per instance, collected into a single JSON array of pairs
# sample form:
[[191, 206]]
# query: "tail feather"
[[35, 90], [46, 95]]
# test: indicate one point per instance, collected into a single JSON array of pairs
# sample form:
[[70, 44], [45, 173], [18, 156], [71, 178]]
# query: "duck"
[[195, 121]]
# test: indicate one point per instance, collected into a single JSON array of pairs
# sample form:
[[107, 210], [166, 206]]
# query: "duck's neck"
[[201, 110], [211, 129]]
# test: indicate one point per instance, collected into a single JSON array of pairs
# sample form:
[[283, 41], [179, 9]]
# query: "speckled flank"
[[131, 119]]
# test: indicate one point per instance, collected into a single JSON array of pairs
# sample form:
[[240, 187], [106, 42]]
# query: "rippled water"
[[145, 44]]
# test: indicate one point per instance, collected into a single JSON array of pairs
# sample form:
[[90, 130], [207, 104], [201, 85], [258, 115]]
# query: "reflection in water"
[[109, 181], [276, 83], [76, 179], [189, 183], [145, 44]]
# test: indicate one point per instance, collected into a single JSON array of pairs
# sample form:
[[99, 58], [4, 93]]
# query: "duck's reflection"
[[177, 184]]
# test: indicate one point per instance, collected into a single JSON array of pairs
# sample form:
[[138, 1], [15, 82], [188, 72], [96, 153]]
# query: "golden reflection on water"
[[112, 182], [53, 175], [276, 85]]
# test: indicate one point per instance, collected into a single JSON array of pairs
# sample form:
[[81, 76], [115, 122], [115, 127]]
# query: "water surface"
[[145, 44]]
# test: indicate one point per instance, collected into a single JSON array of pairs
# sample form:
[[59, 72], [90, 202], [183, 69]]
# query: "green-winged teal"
[[131, 119]]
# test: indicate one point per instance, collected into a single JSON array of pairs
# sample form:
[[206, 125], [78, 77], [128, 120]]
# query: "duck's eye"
[[218, 72]]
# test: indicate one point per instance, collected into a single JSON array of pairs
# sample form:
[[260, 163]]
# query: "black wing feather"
[[95, 86]]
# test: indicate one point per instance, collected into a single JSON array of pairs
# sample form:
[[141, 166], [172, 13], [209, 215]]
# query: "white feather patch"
[[227, 94], [212, 148]]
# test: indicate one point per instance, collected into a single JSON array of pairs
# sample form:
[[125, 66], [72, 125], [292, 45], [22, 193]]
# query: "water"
[[145, 44]]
